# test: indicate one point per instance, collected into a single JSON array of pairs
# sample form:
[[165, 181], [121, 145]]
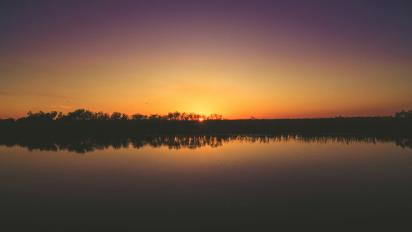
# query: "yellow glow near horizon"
[[205, 75], [233, 91]]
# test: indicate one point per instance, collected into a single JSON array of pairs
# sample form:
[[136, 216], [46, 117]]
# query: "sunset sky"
[[266, 59]]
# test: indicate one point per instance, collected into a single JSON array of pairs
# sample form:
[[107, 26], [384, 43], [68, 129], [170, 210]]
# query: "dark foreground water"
[[207, 182]]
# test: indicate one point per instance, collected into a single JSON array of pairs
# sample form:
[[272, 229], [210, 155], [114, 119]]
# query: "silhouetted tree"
[[80, 114], [124, 117], [184, 116], [101, 116], [215, 117], [83, 114], [173, 116], [155, 117], [116, 116], [60, 116], [193, 116], [138, 117], [41, 116]]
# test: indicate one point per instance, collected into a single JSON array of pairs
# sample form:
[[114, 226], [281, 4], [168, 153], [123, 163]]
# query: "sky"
[[241, 59]]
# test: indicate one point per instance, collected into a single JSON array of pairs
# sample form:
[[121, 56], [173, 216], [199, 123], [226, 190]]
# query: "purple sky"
[[38, 36]]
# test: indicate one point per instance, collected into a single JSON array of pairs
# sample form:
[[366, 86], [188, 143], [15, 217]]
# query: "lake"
[[191, 182]]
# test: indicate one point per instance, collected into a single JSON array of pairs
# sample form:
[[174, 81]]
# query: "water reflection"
[[90, 144], [249, 180]]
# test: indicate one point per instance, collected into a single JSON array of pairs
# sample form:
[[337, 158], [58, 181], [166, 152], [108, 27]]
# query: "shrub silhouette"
[[42, 116], [80, 114], [138, 117]]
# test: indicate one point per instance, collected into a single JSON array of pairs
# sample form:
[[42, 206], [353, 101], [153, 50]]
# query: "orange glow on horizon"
[[239, 74]]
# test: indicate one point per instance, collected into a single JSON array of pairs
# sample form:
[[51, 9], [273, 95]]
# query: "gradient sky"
[[267, 59]]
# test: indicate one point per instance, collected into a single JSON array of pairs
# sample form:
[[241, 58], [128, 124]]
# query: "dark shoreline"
[[83, 136], [325, 126]]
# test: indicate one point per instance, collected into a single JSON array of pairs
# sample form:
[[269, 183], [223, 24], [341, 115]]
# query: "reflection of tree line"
[[89, 144], [83, 131]]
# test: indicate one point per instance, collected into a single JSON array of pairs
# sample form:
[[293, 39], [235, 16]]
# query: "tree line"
[[84, 114]]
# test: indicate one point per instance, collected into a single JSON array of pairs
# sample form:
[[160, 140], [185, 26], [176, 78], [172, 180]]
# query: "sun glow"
[[201, 119]]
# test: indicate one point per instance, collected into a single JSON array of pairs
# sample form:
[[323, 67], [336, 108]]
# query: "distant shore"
[[88, 135], [324, 126]]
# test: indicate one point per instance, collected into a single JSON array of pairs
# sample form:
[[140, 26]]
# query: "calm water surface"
[[233, 183]]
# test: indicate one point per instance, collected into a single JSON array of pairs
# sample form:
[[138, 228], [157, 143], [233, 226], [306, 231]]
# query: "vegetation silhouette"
[[83, 130], [87, 115]]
